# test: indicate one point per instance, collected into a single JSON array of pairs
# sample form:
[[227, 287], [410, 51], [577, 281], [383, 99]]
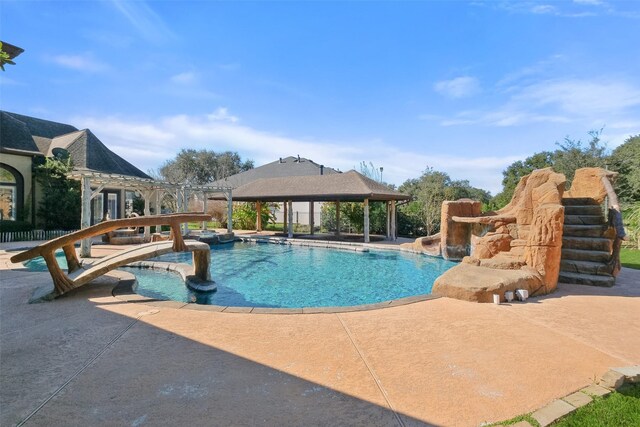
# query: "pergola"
[[152, 191], [349, 186]]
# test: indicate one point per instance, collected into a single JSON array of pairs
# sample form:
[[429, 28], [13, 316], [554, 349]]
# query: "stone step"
[[582, 210], [582, 255], [587, 267], [586, 279], [584, 220], [578, 201], [587, 243], [584, 230]]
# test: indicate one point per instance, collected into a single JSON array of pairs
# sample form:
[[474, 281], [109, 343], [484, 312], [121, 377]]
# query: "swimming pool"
[[250, 274]]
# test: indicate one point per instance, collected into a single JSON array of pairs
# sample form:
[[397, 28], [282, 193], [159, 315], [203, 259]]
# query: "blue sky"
[[463, 87]]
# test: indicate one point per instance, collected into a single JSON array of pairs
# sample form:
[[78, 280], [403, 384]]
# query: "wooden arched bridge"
[[77, 275]]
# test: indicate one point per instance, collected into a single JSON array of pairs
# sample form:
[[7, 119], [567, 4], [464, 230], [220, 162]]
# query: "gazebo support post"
[[158, 206], [338, 218], [258, 216], [85, 215], [285, 229], [204, 208], [312, 219], [185, 208], [393, 221], [229, 213], [147, 212], [388, 232], [366, 220], [290, 224]]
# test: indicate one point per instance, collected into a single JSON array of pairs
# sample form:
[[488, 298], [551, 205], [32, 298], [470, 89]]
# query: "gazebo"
[[349, 186]]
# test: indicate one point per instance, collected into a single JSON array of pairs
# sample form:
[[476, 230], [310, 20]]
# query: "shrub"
[[7, 226]]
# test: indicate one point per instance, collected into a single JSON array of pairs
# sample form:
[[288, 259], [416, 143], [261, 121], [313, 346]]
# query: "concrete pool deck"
[[91, 359]]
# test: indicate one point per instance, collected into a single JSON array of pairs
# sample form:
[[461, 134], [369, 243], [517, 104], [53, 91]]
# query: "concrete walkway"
[[92, 359]]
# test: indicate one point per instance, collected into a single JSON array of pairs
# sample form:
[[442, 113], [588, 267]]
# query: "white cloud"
[[147, 144], [583, 97], [186, 78], [460, 87], [222, 114], [79, 62], [542, 9], [589, 2], [598, 101], [147, 22]]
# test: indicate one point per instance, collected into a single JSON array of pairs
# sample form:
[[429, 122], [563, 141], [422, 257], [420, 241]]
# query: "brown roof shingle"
[[348, 186]]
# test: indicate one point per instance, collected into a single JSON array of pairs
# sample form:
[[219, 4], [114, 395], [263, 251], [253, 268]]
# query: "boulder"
[[587, 183], [492, 244], [473, 283]]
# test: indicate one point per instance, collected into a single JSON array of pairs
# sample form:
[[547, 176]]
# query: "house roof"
[[38, 136], [41, 127], [349, 186], [15, 135], [284, 167]]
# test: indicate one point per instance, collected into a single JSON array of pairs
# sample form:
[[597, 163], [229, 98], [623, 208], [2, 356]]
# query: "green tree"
[[631, 218], [202, 166], [245, 214], [625, 160], [574, 155], [5, 58], [570, 155], [60, 204], [422, 214]]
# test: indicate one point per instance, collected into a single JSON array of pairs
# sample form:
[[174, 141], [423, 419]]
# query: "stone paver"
[[612, 379], [551, 412], [596, 390], [631, 373], [577, 399]]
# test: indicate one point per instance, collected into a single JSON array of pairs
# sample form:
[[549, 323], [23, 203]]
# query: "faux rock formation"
[[517, 247], [588, 183], [455, 236], [520, 246]]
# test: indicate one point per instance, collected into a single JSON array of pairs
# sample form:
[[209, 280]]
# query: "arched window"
[[11, 192]]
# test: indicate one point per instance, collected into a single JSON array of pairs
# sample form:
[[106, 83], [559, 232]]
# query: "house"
[[25, 142]]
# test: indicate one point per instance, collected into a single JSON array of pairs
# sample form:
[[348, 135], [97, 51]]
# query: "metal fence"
[[23, 236]]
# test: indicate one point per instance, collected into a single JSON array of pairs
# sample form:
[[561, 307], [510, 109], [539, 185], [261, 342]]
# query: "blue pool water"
[[38, 264], [270, 275]]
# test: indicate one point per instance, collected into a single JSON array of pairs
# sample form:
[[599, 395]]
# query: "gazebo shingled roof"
[[348, 186]]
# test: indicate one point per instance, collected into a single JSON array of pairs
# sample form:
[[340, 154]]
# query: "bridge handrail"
[[173, 220]]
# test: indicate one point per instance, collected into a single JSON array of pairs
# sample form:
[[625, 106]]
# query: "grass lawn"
[[630, 258], [619, 409]]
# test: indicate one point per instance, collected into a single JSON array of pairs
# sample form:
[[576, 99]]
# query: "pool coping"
[[124, 289]]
